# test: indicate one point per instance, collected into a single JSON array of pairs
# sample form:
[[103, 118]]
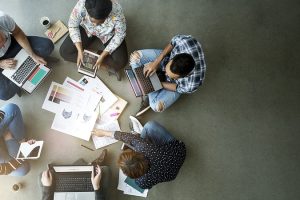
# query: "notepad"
[[56, 31]]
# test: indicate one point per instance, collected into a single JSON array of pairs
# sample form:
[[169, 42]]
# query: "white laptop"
[[27, 74], [72, 182]]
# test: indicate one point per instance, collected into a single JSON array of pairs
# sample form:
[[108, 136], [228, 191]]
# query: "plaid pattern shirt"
[[187, 44]]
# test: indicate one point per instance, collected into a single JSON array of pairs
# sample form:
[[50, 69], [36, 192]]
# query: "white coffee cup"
[[45, 21]]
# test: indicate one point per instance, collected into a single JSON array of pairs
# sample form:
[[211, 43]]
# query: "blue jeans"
[[13, 122], [41, 46], [166, 97], [156, 133]]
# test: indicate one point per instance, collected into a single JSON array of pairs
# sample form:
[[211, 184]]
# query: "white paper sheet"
[[58, 93], [100, 142], [93, 98], [26, 149], [96, 85], [127, 189], [73, 121]]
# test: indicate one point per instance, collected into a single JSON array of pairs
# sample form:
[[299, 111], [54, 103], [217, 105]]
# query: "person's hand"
[[96, 179], [150, 68], [46, 178], [31, 141], [79, 57], [101, 132], [38, 59], [8, 63], [99, 62]]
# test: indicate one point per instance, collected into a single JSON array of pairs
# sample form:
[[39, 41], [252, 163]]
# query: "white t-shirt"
[[7, 25]]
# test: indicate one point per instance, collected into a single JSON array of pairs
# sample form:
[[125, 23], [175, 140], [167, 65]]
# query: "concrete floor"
[[241, 128]]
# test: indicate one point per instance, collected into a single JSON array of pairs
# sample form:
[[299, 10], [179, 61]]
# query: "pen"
[[87, 147]]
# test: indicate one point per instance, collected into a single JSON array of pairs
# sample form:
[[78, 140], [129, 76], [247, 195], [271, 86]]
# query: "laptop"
[[27, 74], [72, 178], [140, 84]]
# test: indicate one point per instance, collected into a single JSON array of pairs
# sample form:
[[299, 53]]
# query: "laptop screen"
[[133, 82], [73, 168]]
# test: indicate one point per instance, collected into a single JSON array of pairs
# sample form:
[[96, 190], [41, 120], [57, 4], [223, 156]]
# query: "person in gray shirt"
[[12, 40]]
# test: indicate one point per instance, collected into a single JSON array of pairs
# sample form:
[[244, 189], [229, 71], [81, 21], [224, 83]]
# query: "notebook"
[[27, 74], [140, 84], [72, 178], [56, 31]]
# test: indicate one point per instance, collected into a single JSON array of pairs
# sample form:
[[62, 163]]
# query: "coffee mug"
[[45, 21]]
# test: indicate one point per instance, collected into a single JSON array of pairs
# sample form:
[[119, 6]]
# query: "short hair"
[[182, 64], [98, 9], [133, 164]]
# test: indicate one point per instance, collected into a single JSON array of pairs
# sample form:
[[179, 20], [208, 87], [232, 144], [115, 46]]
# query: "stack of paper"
[[128, 186]]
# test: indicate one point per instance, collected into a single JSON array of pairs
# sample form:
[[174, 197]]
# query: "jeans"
[[156, 133], [116, 61], [41, 46], [13, 122], [166, 97]]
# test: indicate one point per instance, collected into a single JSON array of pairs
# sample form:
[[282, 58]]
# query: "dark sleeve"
[[128, 138], [99, 195], [48, 193]]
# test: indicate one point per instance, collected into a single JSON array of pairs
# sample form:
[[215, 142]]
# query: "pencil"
[[87, 147]]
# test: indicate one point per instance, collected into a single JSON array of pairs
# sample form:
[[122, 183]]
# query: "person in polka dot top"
[[155, 155]]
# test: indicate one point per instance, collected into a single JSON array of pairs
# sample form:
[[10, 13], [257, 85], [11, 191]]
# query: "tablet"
[[30, 151]]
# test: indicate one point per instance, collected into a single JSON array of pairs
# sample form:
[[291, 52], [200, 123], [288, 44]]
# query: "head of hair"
[[133, 164], [98, 9], [182, 64]]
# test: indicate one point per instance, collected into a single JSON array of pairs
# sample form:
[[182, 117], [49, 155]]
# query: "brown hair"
[[133, 164]]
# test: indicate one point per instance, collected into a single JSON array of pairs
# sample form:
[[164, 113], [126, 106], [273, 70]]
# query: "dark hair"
[[133, 164], [98, 9], [182, 64]]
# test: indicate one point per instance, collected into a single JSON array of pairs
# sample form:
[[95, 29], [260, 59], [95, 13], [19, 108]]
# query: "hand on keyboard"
[[96, 179], [8, 63], [38, 59], [150, 68]]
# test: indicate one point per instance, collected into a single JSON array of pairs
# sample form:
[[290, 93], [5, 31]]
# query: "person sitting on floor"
[[12, 131], [180, 67], [12, 40], [97, 19], [100, 180], [156, 155]]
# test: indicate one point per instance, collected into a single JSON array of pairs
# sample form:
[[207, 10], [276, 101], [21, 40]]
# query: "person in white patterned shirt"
[[97, 19]]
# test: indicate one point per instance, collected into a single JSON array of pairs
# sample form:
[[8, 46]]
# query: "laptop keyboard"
[[73, 184], [145, 83], [24, 70]]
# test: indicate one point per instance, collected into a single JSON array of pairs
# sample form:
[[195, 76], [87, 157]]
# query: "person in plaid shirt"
[[180, 67]]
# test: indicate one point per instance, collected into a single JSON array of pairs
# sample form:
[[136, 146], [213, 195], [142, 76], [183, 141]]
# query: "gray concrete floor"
[[241, 128]]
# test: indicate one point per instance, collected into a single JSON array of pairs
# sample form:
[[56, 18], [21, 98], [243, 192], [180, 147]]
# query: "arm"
[[169, 86], [96, 183], [21, 38], [152, 67], [122, 136], [73, 24], [48, 193], [119, 36]]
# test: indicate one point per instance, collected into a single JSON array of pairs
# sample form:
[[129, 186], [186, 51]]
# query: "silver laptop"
[[140, 84], [72, 181], [27, 74]]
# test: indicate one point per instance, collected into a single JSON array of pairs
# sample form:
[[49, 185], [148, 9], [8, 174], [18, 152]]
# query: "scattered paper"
[[74, 121], [127, 189], [100, 142], [96, 85]]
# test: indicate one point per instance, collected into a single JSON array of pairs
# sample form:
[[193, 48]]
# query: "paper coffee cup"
[[45, 21]]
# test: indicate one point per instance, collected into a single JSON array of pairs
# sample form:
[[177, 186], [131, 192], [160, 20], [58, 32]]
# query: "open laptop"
[[27, 74], [140, 84], [72, 180]]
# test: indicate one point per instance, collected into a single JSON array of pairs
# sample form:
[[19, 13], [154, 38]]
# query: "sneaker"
[[144, 106], [136, 125], [99, 161]]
